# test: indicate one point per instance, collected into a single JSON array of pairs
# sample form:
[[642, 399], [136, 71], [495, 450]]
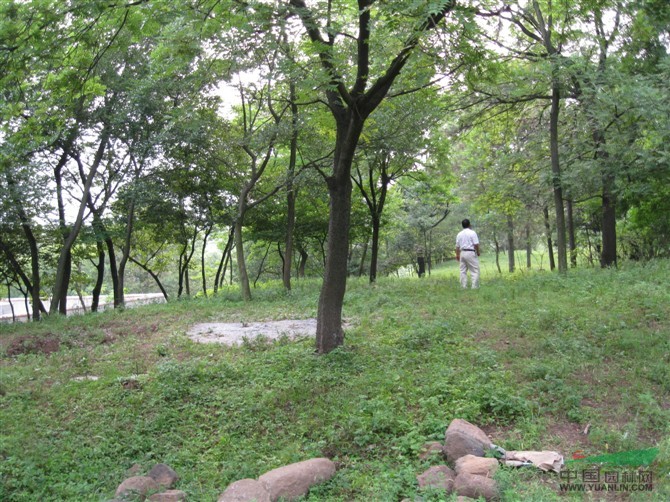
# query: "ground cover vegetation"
[[532, 357], [323, 138]]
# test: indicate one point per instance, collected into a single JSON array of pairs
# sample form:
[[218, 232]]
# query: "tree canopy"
[[163, 135]]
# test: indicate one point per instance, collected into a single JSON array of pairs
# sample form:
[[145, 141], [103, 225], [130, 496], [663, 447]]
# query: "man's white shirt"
[[466, 239]]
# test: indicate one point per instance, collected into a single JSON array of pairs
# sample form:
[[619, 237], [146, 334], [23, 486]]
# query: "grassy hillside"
[[532, 358]]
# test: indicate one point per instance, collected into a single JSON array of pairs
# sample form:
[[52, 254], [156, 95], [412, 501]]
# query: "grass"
[[532, 358]]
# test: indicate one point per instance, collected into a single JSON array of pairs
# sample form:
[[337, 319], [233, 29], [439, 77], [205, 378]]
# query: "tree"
[[259, 136], [396, 140], [614, 100], [546, 27], [427, 202], [350, 108]]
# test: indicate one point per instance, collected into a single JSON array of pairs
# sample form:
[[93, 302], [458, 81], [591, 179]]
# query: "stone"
[[163, 475], [463, 438], [479, 466], [473, 486], [430, 450], [168, 496], [294, 481], [438, 477], [136, 486], [245, 490], [461, 498]]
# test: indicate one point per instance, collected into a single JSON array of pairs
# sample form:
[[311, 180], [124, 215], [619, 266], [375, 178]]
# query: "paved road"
[[74, 304]]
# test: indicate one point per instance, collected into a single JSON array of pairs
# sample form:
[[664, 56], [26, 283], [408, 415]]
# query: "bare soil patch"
[[236, 333], [32, 344]]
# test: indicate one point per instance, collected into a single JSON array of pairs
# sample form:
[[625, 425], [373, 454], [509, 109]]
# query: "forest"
[[184, 146]]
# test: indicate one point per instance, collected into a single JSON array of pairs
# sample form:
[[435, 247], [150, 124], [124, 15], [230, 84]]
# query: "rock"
[[294, 481], [463, 438], [245, 490], [430, 450], [461, 498], [163, 475], [137, 486], [473, 486], [438, 477], [168, 496], [479, 466]]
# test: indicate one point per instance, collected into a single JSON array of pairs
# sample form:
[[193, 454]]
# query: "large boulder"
[[473, 486], [245, 490], [463, 438], [479, 466], [294, 481], [136, 487], [163, 475], [439, 477]]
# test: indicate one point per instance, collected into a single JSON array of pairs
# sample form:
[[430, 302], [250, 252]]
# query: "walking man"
[[467, 252]]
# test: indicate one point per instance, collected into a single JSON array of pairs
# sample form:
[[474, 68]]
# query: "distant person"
[[467, 252]]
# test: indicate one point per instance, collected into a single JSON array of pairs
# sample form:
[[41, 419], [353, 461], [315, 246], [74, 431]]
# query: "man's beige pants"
[[469, 261]]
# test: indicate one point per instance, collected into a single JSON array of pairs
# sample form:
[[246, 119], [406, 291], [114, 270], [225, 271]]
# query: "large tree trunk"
[[510, 244], [557, 183], [329, 332], [608, 256]]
